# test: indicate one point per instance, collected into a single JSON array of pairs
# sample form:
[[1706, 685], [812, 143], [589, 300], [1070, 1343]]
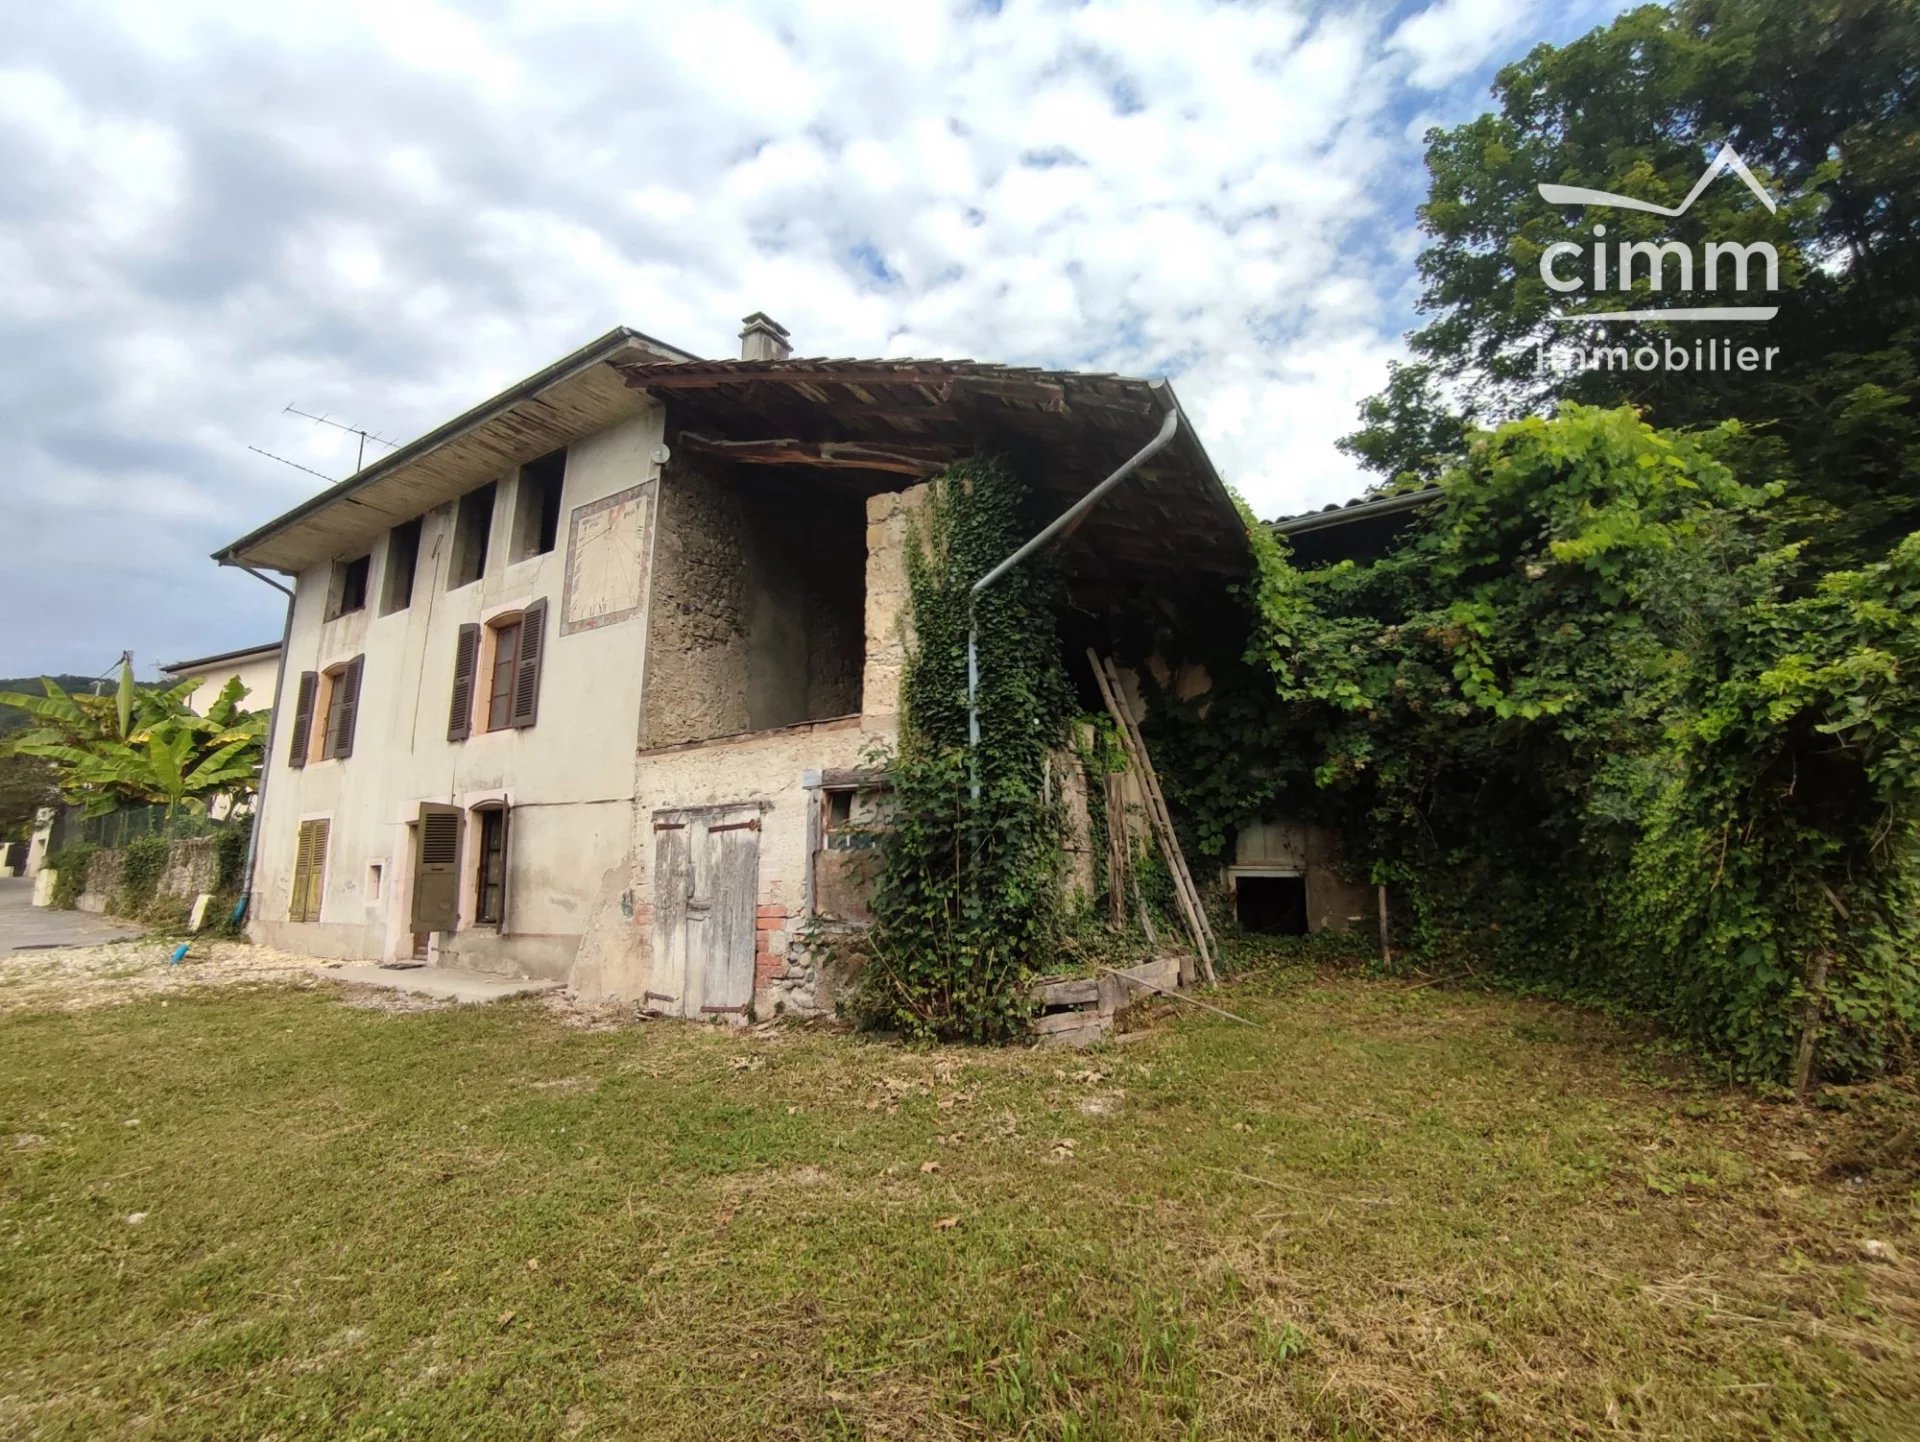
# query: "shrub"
[[70, 862]]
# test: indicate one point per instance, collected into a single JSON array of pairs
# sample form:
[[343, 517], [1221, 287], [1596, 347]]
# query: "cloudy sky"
[[386, 210]]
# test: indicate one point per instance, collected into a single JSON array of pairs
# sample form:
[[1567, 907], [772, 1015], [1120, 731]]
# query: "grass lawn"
[[1381, 1211]]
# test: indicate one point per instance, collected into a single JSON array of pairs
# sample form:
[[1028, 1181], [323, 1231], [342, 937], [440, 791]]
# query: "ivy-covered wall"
[[968, 901]]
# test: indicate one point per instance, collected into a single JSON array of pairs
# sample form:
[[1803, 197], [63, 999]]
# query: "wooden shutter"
[[436, 868], [526, 675], [466, 656], [303, 719], [345, 708], [309, 871]]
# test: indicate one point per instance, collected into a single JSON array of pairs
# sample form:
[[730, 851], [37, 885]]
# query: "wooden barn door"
[[706, 876]]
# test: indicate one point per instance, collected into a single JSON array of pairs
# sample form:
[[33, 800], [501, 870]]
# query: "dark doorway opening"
[[1271, 905]]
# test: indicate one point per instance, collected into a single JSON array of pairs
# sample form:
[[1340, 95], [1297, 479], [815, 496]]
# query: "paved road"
[[23, 925]]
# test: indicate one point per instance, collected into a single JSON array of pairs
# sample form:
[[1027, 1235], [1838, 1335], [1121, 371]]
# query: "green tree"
[[26, 784], [1822, 99], [140, 746], [1612, 732]]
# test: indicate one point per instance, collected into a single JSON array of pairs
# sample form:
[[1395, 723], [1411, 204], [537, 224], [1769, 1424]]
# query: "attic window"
[[472, 527], [403, 558], [536, 520], [349, 586]]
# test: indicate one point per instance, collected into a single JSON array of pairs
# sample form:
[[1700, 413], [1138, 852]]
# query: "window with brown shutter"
[[309, 871], [343, 707], [531, 652], [303, 719], [466, 656], [436, 868]]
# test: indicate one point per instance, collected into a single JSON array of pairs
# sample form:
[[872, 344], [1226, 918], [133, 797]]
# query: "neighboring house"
[[580, 685], [258, 668]]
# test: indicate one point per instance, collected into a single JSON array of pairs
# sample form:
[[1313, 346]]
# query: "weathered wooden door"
[[706, 876]]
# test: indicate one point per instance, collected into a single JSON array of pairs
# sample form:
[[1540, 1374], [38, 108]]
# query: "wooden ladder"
[[1185, 893]]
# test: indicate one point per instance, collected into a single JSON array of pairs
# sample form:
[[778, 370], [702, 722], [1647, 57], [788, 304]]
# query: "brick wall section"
[[769, 949]]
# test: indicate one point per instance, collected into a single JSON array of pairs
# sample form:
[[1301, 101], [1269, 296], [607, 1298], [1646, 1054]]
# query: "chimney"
[[763, 338]]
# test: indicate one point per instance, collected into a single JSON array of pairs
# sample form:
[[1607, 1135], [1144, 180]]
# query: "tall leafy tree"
[[1822, 99]]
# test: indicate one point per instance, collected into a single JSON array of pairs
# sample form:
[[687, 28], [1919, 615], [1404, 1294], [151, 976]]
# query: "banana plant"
[[142, 745]]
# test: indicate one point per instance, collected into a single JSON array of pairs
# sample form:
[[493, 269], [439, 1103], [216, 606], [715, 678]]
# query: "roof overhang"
[[872, 425], [1358, 530], [573, 397], [247, 653]]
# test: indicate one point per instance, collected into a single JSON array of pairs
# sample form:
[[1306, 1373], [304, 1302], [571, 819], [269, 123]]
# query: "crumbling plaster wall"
[[756, 613], [696, 684]]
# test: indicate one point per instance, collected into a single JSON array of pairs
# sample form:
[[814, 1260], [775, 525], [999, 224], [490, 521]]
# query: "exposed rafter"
[[903, 458]]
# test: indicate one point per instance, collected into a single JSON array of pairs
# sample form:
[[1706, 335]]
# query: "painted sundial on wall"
[[607, 553]]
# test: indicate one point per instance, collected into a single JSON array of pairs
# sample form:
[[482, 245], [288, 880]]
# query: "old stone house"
[[580, 684]]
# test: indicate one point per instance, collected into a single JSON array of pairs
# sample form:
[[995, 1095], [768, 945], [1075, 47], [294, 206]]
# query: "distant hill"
[[12, 720]]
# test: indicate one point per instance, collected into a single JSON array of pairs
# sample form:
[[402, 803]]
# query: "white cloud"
[[1454, 37], [386, 210]]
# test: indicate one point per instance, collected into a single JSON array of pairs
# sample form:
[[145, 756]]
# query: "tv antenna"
[[295, 464], [360, 460]]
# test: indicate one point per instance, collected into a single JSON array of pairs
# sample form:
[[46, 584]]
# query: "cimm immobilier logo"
[[1569, 268]]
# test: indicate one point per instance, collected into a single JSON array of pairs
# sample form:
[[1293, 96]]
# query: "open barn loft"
[[872, 425]]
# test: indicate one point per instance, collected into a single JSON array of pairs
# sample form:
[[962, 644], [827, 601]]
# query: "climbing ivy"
[[1609, 731], [967, 905]]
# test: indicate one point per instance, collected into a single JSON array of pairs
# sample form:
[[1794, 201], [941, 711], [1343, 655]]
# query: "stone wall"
[[757, 612], [192, 867], [697, 630]]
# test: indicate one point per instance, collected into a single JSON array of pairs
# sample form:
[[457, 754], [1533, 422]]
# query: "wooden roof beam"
[[901, 458]]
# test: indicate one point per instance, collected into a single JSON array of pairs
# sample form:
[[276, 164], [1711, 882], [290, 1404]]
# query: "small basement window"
[[349, 586], [1271, 905], [536, 518], [472, 528]]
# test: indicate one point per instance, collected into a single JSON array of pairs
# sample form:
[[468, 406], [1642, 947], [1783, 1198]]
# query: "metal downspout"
[[1065, 521], [266, 756]]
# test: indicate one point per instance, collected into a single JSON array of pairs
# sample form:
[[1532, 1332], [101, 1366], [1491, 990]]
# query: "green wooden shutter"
[[466, 656], [303, 719], [302, 862], [309, 871], [436, 868], [526, 675]]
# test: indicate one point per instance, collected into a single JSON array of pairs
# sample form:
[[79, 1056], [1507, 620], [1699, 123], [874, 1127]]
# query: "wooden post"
[[1816, 1004], [1810, 1027], [1118, 852], [1386, 948]]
